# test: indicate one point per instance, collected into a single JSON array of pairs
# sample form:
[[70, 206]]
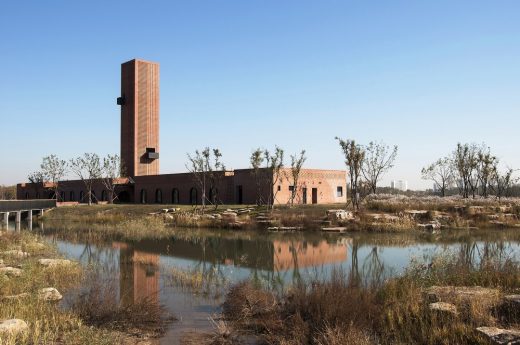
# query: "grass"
[[379, 213], [342, 310], [47, 323], [50, 322]]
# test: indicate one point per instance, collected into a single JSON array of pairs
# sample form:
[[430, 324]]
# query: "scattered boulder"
[[11, 271], [13, 327], [501, 336], [229, 216], [49, 294], [16, 253], [334, 229], [415, 213], [475, 294], [514, 299], [432, 226], [443, 308], [54, 262], [339, 215]]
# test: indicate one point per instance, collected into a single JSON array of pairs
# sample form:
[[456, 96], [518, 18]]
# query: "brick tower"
[[139, 103]]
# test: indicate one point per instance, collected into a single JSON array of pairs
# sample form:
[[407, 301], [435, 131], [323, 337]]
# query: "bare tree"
[[354, 156], [87, 168], [465, 164], [204, 170], [441, 173], [112, 169], [36, 178], [274, 164], [379, 158], [256, 161], [216, 173], [502, 182], [53, 170], [296, 167], [485, 167]]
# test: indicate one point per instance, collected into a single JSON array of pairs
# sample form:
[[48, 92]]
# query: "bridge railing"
[[22, 205]]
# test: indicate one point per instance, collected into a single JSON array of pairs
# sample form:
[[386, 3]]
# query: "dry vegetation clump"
[[99, 305], [342, 310], [48, 323], [196, 280]]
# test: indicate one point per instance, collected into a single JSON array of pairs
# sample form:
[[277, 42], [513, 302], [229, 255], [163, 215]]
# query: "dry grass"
[[341, 310], [48, 324], [99, 305]]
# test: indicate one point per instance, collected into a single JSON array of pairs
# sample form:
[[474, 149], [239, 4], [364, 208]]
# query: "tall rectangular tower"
[[140, 117]]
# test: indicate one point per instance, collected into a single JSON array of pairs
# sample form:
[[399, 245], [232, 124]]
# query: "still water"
[[189, 273]]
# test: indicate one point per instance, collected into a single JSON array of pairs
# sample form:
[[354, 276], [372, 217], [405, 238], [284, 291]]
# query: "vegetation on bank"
[[75, 320], [345, 310], [378, 213]]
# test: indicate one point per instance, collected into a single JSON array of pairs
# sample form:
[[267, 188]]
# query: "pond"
[[189, 273]]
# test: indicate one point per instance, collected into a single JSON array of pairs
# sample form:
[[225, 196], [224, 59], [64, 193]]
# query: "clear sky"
[[243, 74]]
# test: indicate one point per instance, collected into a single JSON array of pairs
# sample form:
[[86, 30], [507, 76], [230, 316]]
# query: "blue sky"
[[243, 74]]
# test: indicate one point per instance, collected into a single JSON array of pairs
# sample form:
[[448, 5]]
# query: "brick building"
[[142, 182]]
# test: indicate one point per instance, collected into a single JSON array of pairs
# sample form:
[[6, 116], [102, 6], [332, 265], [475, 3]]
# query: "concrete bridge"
[[17, 207]]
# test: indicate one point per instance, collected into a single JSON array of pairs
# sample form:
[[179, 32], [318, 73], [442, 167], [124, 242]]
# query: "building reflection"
[[138, 274]]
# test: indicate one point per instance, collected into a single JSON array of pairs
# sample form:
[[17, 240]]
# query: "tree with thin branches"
[[87, 168], [274, 164], [256, 159], [379, 158], [112, 169], [53, 170], [296, 167], [441, 173], [354, 156], [205, 169]]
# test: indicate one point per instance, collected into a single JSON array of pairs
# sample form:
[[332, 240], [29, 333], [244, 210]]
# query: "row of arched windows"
[[193, 196]]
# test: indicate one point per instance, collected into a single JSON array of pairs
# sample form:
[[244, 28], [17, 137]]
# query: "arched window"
[[81, 196], [104, 195], [158, 196], [143, 196], [123, 196], [26, 195], [51, 195], [62, 196], [71, 195], [93, 196], [213, 193], [193, 196], [175, 196]]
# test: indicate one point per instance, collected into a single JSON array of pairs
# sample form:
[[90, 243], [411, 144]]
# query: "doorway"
[[239, 197], [304, 195], [315, 195]]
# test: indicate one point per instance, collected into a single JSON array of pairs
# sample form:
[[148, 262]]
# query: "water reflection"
[[144, 268]]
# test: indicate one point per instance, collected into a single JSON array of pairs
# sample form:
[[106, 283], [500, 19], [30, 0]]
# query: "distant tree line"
[[471, 170]]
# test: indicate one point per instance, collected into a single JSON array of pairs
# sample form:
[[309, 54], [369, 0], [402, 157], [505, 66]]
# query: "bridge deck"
[[25, 205]]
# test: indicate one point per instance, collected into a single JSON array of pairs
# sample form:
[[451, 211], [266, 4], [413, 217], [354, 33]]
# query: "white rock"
[[339, 215], [13, 327], [11, 271], [49, 294], [444, 307], [54, 262], [501, 336]]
